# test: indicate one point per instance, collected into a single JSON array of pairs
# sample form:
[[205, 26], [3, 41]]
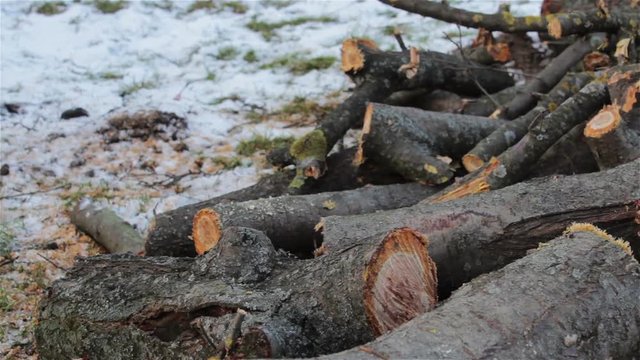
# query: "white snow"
[[53, 63]]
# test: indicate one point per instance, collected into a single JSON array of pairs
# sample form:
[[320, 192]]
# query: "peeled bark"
[[377, 75], [107, 228], [510, 133], [289, 221], [414, 143], [180, 308], [610, 139], [514, 164], [576, 297], [480, 233]]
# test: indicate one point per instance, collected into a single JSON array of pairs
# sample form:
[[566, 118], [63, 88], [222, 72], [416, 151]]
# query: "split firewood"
[[557, 25], [610, 139], [569, 155], [551, 75], [107, 228], [480, 233], [574, 297], [417, 144], [377, 75], [514, 164], [181, 308], [169, 233], [510, 133], [289, 221]]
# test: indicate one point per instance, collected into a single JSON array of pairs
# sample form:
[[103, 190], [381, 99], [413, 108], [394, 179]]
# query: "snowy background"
[[230, 68]]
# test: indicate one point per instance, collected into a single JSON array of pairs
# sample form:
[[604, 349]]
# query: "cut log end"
[[607, 120], [554, 27], [352, 56], [207, 230], [586, 227], [400, 281], [366, 129], [472, 162], [475, 185]]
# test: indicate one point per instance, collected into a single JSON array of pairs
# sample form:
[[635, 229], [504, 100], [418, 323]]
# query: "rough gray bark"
[[576, 297], [125, 307], [289, 221], [107, 228], [480, 233], [412, 142]]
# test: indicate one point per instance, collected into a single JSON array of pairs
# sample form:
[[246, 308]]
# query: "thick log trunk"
[[576, 297], [107, 228], [514, 164], [510, 133], [487, 104], [551, 75], [413, 142], [480, 233], [114, 307], [377, 75], [624, 90], [610, 139], [289, 221], [558, 25], [170, 231]]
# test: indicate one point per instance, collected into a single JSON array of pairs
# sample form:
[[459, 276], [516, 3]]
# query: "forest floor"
[[239, 76]]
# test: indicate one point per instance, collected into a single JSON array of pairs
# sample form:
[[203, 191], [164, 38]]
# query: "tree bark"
[[510, 133], [113, 307], [516, 162], [558, 25], [107, 228], [377, 75], [480, 233], [413, 142], [624, 90], [289, 221], [611, 141], [576, 297]]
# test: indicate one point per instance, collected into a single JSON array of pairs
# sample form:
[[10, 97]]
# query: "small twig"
[[229, 341], [398, 35], [32, 192], [53, 263], [8, 260]]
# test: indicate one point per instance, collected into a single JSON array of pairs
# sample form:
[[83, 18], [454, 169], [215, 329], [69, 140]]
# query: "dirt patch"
[[144, 125]]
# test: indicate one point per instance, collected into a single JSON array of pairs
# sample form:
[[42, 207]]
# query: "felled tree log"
[[170, 231], [576, 297], [516, 162], [558, 25], [480, 233], [377, 75], [624, 90], [414, 142], [107, 228], [551, 75], [179, 308], [569, 155], [289, 221], [487, 104], [510, 133], [610, 139]]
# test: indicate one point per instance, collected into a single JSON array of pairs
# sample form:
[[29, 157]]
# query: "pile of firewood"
[[462, 225]]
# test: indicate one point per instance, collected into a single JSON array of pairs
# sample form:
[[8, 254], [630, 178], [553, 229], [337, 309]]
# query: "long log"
[[510, 133], [558, 25], [119, 306], [514, 164], [289, 221], [480, 233], [576, 297], [412, 142], [170, 231], [377, 74]]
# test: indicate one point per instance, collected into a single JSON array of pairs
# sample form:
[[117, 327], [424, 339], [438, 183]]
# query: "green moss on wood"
[[260, 142], [51, 8], [313, 145]]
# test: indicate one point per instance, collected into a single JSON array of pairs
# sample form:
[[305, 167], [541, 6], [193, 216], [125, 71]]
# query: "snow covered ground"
[[216, 67]]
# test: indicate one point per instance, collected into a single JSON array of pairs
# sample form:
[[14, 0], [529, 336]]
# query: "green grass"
[[109, 7], [268, 29], [278, 4], [72, 196], [227, 53], [109, 75], [298, 65], [235, 6], [250, 56], [6, 304], [51, 8], [211, 76], [304, 107], [201, 5], [227, 162], [137, 86], [260, 142], [7, 238]]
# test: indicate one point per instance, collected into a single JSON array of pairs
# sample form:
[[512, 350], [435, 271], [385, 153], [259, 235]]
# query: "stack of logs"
[[466, 232]]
